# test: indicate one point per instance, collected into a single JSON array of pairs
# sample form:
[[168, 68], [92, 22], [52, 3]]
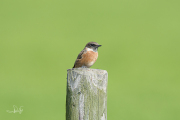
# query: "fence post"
[[86, 97]]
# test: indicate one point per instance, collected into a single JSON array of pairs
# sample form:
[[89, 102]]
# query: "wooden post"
[[86, 97]]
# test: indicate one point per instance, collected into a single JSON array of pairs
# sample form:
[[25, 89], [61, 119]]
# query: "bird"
[[88, 56]]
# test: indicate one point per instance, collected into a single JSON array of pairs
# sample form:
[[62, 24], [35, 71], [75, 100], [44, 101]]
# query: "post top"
[[85, 69], [95, 77]]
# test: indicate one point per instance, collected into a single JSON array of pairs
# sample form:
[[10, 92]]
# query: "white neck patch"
[[89, 49]]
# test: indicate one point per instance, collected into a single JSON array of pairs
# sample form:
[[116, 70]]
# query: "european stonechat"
[[88, 56]]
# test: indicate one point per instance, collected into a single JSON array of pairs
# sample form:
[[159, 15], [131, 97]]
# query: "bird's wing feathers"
[[79, 57], [80, 54]]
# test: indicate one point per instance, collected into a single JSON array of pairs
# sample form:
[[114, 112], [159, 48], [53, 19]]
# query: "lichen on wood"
[[86, 97]]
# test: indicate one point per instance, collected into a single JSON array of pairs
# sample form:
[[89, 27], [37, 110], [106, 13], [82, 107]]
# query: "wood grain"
[[86, 97]]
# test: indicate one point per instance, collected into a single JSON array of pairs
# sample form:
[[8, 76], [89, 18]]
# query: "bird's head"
[[92, 46]]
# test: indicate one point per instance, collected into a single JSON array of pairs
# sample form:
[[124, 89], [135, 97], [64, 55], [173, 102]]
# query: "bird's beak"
[[99, 45]]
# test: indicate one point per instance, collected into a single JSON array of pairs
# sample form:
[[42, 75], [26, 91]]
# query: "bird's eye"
[[92, 44]]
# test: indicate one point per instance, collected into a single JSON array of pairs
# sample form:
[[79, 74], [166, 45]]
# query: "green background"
[[40, 40]]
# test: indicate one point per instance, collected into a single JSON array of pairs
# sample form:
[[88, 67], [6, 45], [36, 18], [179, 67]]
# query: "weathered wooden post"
[[86, 97]]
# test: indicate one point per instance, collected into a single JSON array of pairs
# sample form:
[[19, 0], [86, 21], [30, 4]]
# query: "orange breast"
[[89, 58]]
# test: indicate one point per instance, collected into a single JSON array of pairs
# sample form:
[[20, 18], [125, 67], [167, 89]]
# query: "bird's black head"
[[93, 46]]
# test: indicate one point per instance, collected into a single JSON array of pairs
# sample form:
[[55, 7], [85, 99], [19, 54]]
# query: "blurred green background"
[[40, 40]]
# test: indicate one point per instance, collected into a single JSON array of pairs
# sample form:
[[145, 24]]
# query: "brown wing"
[[79, 57]]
